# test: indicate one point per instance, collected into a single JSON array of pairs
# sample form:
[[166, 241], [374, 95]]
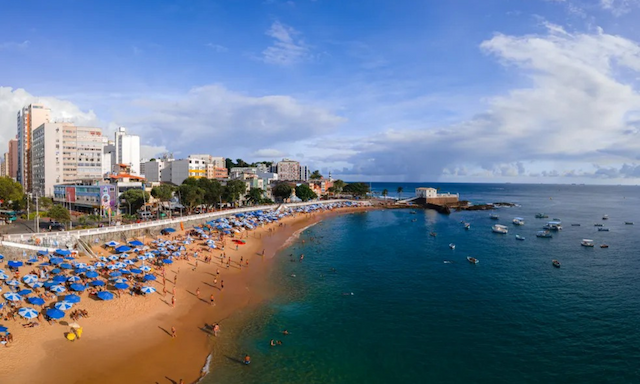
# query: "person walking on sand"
[[221, 285], [213, 301], [198, 292], [215, 281], [173, 332], [173, 301], [247, 359], [216, 330], [173, 290], [175, 279]]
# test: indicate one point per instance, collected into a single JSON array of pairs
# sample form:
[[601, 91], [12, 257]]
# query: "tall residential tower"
[[29, 118]]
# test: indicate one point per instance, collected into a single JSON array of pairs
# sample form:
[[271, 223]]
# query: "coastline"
[[127, 340]]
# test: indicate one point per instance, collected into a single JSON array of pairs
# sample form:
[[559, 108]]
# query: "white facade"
[[127, 150], [426, 192], [47, 155], [304, 173], [178, 171], [28, 119], [89, 149], [152, 170]]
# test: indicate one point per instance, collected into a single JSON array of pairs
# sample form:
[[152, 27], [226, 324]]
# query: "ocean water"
[[512, 318]]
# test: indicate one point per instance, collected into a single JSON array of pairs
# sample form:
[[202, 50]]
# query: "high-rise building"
[[215, 166], [108, 156], [29, 118], [288, 170], [128, 150], [12, 164], [4, 165], [304, 173], [61, 153]]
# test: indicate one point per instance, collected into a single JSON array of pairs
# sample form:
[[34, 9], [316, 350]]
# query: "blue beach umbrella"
[[57, 289], [136, 243], [99, 265], [125, 271], [113, 257], [167, 261], [32, 260], [97, 283], [14, 264], [56, 260], [45, 264], [63, 252], [136, 271], [37, 284], [59, 279], [77, 287], [73, 279], [13, 283], [147, 290], [115, 273], [168, 230], [56, 270], [123, 248], [121, 286], [12, 296], [35, 301], [118, 281], [54, 313], [43, 253], [72, 298], [3, 276], [104, 295], [63, 305], [145, 268], [66, 266], [49, 284], [24, 292], [30, 279], [149, 277], [3, 329], [28, 313], [91, 274], [112, 244]]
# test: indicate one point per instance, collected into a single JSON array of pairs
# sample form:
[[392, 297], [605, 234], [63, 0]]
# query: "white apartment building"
[[61, 153], [178, 171], [108, 156], [152, 170], [127, 150], [288, 170], [304, 173], [28, 119]]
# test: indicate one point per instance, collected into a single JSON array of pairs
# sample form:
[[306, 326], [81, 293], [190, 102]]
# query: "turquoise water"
[[512, 318]]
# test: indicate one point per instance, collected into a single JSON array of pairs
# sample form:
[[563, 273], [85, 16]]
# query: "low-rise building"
[[432, 196], [177, 171]]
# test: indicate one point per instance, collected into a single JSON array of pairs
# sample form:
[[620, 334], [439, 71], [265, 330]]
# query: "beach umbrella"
[[102, 258], [59, 279], [37, 284], [14, 264], [136, 243], [167, 261], [121, 286], [146, 290], [3, 276], [168, 230], [97, 283], [63, 305], [66, 266], [120, 265], [122, 249], [29, 278], [63, 252], [49, 284], [104, 295], [77, 287], [145, 268], [91, 274], [45, 264], [54, 313], [28, 313], [136, 270], [13, 283], [72, 299], [12, 296], [80, 265], [129, 262], [68, 257], [112, 244], [3, 329], [1, 257], [57, 289], [90, 268], [25, 292], [43, 253], [113, 257], [125, 271], [115, 273], [99, 265], [112, 267], [56, 260], [119, 280], [35, 301], [73, 279], [32, 260], [56, 270], [149, 277]]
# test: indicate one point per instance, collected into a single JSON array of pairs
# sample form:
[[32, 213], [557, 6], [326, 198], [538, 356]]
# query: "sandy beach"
[[128, 340]]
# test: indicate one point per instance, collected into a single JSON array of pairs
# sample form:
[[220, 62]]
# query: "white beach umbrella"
[[147, 290], [28, 279], [28, 313], [57, 288], [63, 305]]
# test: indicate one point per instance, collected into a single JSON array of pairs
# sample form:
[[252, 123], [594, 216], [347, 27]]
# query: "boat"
[[500, 229], [518, 221], [494, 216], [605, 217], [604, 246], [433, 234], [587, 243], [628, 222], [541, 216], [518, 237], [555, 263], [603, 229], [575, 225], [553, 226], [413, 212], [598, 225], [556, 219], [452, 246], [472, 260], [544, 234], [467, 225]]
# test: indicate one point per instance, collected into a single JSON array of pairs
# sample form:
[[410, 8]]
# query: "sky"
[[532, 91]]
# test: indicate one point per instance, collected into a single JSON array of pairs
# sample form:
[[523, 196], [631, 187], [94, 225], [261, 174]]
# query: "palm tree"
[[400, 189], [385, 192]]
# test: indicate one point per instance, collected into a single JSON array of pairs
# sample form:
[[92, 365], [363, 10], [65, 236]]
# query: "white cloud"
[[9, 45], [580, 106], [619, 7], [151, 151], [287, 47], [217, 47], [268, 153]]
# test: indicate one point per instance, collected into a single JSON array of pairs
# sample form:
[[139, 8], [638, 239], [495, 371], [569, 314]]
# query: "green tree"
[[400, 190], [134, 199], [233, 190], [10, 191], [163, 192], [356, 189], [282, 191], [45, 203], [190, 196], [385, 193], [242, 163], [304, 193], [254, 196], [339, 185], [315, 175], [59, 213], [212, 191]]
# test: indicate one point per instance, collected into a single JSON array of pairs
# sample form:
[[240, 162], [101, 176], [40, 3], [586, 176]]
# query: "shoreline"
[[129, 343]]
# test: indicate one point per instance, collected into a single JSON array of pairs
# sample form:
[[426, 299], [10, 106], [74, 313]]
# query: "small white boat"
[[553, 226], [494, 216], [544, 234], [555, 263], [467, 225], [452, 246], [518, 221], [500, 229], [518, 237], [472, 260], [541, 216], [587, 243], [605, 217]]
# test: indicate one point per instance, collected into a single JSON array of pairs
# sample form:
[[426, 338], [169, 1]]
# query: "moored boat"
[[598, 225], [604, 246], [541, 216], [628, 222], [518, 221], [433, 234], [587, 243], [452, 246], [544, 234], [494, 216], [555, 263], [602, 229], [472, 260], [500, 229], [605, 217], [467, 225], [575, 225], [518, 237], [553, 226]]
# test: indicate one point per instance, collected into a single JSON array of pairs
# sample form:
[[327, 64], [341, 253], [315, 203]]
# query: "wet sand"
[[128, 340]]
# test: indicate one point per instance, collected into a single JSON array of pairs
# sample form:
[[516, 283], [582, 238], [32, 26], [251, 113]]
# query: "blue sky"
[[522, 91]]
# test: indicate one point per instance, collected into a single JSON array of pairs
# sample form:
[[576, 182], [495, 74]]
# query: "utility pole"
[[37, 218]]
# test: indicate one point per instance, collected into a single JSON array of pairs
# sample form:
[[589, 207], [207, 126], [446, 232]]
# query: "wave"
[[296, 235], [205, 369]]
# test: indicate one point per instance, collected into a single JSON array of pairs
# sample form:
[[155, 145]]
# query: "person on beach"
[[175, 279], [221, 285], [173, 301], [195, 266], [173, 332], [216, 330], [213, 301], [173, 290], [302, 257], [217, 272], [198, 292], [247, 359], [215, 281]]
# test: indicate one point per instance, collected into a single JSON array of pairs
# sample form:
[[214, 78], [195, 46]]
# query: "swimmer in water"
[[272, 343], [292, 275], [285, 332], [347, 293]]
